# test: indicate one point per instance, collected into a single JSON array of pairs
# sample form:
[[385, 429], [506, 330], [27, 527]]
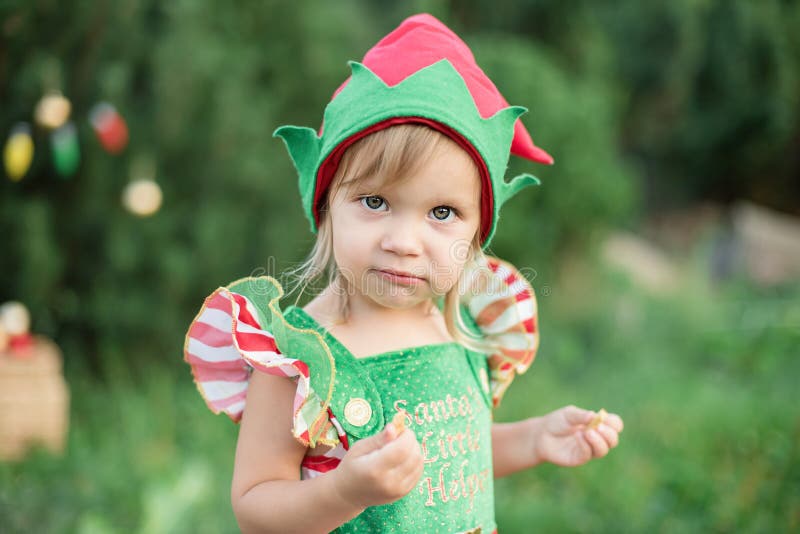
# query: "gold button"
[[357, 412]]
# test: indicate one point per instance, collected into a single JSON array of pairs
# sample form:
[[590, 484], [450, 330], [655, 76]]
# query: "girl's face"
[[398, 246]]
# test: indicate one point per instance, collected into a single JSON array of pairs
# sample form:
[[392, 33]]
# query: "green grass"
[[141, 457], [705, 381]]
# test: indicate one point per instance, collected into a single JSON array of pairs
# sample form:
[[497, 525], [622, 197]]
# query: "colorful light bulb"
[[142, 197], [66, 151], [52, 111], [18, 152], [110, 127]]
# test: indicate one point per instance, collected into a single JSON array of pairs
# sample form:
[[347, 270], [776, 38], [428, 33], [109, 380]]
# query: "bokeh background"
[[663, 243]]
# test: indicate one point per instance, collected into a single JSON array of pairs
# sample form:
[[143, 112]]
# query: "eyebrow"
[[455, 198], [371, 184]]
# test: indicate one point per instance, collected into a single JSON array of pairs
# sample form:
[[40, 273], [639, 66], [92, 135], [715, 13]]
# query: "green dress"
[[444, 391]]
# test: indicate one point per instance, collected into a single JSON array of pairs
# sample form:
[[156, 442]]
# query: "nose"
[[402, 237]]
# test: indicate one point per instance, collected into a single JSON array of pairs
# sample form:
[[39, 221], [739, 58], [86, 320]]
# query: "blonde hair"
[[392, 153]]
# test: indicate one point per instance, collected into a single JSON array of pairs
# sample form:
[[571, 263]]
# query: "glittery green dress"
[[444, 391]]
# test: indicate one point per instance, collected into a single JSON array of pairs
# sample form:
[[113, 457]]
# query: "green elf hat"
[[419, 73]]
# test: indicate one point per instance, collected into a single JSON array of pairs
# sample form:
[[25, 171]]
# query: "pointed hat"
[[422, 73]]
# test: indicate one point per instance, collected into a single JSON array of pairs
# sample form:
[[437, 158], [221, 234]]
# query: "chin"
[[398, 297]]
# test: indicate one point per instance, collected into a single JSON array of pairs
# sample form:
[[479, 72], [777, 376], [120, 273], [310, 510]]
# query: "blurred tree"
[[699, 97], [202, 90], [714, 98], [709, 89]]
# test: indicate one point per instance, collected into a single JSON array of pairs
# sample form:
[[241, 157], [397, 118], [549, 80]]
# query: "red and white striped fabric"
[[225, 342], [503, 305], [316, 465]]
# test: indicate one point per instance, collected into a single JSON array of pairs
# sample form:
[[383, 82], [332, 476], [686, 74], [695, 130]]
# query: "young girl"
[[369, 410]]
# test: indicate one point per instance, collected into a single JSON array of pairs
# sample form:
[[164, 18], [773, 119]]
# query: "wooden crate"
[[34, 400]]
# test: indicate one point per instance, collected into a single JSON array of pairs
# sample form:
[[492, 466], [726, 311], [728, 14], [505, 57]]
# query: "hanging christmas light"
[[142, 197], [110, 127], [52, 111], [66, 152], [18, 152], [16, 321]]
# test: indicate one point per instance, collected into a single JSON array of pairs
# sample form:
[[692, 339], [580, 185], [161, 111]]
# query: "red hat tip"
[[420, 41]]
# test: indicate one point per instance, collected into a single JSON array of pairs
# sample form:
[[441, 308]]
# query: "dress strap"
[[355, 399], [240, 329]]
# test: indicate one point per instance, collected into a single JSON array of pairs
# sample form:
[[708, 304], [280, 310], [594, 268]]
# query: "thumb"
[[377, 441], [572, 416]]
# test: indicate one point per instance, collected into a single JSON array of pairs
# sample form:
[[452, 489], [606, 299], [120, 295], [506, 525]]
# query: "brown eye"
[[442, 213], [374, 203]]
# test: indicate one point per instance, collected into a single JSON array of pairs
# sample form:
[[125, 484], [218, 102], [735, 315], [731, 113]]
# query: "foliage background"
[[646, 107]]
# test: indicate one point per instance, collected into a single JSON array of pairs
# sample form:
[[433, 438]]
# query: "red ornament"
[[110, 127], [20, 344]]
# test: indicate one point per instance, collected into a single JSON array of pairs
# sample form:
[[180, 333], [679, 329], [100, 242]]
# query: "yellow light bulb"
[[52, 111], [142, 197], [18, 152], [15, 318]]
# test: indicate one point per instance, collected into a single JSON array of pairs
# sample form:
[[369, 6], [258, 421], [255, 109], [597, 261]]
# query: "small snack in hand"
[[399, 422], [598, 418]]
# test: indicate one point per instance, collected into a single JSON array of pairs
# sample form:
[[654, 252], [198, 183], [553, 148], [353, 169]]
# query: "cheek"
[[448, 264], [455, 244], [342, 243], [352, 240]]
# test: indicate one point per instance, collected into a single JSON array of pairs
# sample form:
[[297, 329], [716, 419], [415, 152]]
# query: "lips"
[[402, 277]]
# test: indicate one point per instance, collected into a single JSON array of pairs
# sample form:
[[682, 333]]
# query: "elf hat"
[[419, 73]]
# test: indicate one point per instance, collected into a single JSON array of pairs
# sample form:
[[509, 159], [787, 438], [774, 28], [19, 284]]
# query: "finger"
[[375, 442], [406, 468], [389, 433], [598, 444], [413, 459], [395, 452], [577, 416], [614, 421], [609, 435], [411, 464], [412, 477]]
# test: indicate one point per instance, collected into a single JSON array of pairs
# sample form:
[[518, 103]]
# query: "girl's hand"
[[566, 436], [379, 469]]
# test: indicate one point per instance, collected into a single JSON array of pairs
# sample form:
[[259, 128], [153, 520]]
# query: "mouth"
[[400, 277]]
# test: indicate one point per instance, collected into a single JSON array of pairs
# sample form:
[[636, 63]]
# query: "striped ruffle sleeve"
[[502, 304], [240, 330]]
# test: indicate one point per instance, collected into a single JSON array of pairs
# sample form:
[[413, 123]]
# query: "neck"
[[363, 311], [370, 329]]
